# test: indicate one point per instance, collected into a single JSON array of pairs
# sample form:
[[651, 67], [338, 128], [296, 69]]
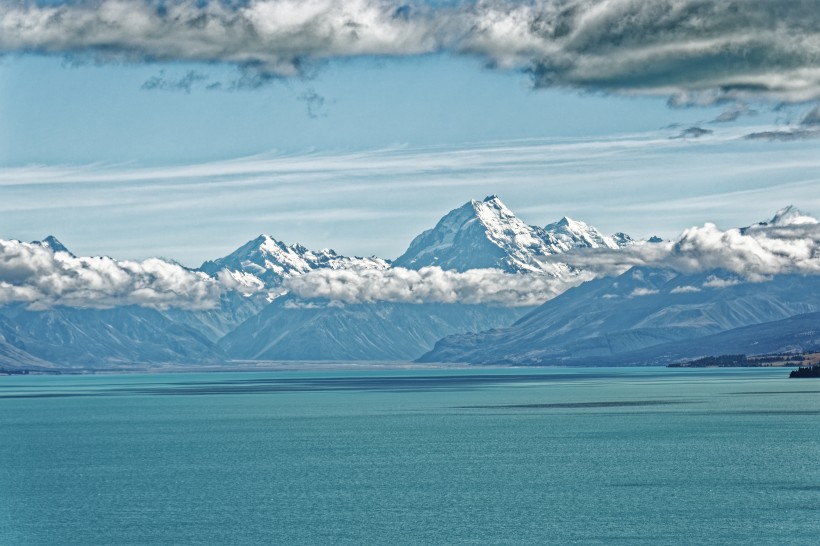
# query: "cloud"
[[685, 289], [808, 128], [638, 292], [315, 103], [713, 281], [811, 118], [696, 51], [787, 135], [35, 275], [431, 285], [694, 132], [733, 112], [183, 83], [791, 245]]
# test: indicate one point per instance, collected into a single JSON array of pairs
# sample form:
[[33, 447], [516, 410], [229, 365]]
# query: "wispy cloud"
[[697, 51], [734, 111], [315, 103], [167, 83], [807, 128], [694, 132]]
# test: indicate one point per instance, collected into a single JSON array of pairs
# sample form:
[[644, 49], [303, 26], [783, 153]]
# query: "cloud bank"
[[37, 276], [431, 285], [790, 244], [696, 51]]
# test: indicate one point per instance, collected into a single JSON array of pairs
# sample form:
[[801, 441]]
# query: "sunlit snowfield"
[[591, 456]]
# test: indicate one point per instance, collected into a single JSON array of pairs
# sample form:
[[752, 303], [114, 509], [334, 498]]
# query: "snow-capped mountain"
[[486, 234], [787, 216], [266, 262], [570, 234], [51, 242]]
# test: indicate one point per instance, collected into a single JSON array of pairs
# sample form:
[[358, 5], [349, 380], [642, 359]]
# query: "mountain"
[[271, 261], [787, 216], [256, 270], [13, 358], [486, 234], [601, 321], [233, 309], [99, 338], [294, 329], [51, 242], [796, 334], [570, 234]]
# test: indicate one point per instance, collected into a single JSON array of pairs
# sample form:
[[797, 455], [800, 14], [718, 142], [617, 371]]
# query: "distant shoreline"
[[776, 360]]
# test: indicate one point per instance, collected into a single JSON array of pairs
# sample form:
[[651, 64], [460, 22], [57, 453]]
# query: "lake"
[[400, 456]]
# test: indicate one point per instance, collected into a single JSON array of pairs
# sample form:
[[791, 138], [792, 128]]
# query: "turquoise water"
[[457, 456]]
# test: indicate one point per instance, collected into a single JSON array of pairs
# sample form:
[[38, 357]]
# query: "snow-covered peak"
[[787, 216], [576, 234], [271, 261], [51, 242], [481, 234], [503, 227], [790, 216]]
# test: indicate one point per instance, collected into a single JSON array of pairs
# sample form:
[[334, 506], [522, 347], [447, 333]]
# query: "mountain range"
[[646, 314]]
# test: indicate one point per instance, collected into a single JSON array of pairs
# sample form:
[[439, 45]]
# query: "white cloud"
[[34, 275], [431, 284], [752, 254], [697, 51], [638, 292], [713, 281], [685, 289]]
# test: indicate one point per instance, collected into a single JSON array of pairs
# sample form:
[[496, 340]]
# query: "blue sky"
[[145, 147]]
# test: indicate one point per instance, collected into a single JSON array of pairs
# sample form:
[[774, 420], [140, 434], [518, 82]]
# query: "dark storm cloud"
[[695, 51]]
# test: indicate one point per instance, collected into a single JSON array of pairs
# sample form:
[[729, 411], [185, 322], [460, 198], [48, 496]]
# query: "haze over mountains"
[[498, 291]]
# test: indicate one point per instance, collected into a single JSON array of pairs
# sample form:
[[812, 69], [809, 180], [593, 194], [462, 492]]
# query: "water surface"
[[488, 456]]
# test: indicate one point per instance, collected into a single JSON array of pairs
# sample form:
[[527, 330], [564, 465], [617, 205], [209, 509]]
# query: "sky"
[[137, 128]]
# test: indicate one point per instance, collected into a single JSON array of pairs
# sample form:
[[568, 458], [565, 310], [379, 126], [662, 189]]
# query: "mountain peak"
[[791, 216], [570, 233], [51, 242], [492, 202], [271, 261], [787, 216], [480, 234]]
